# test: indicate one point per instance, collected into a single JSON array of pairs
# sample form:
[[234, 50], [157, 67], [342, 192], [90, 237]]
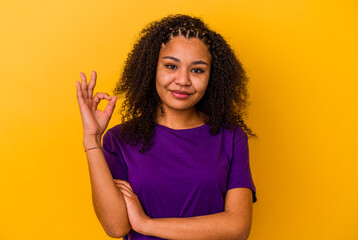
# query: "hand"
[[94, 121], [137, 217]]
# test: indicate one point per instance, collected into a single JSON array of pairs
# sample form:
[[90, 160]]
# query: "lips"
[[180, 94]]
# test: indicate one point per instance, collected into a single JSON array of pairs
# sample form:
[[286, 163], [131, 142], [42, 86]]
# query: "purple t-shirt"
[[185, 172]]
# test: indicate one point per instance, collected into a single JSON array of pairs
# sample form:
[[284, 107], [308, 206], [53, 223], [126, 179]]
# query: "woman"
[[178, 165]]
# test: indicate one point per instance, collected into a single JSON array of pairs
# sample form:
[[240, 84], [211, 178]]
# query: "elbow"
[[242, 237], [114, 234], [242, 233], [116, 231]]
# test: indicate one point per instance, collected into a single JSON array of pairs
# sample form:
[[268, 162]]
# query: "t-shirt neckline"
[[181, 130]]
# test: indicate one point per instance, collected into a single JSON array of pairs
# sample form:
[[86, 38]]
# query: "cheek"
[[202, 86], [161, 85], [163, 80], [159, 88]]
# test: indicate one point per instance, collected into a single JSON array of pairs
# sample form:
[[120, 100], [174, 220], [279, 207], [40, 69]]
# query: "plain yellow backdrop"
[[300, 56]]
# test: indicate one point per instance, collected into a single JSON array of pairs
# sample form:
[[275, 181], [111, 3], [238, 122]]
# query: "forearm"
[[223, 225], [108, 201]]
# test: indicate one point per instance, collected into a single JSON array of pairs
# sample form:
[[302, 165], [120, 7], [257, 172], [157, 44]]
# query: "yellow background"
[[300, 56]]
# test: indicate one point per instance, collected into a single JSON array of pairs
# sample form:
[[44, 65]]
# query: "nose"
[[183, 77]]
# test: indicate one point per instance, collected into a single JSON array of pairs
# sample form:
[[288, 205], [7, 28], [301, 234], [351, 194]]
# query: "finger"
[[79, 92], [110, 106], [125, 192], [81, 102], [123, 181], [121, 184], [92, 84], [84, 85], [119, 181], [98, 97]]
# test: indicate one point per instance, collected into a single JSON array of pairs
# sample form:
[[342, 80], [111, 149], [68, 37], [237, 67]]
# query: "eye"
[[171, 66], [197, 70]]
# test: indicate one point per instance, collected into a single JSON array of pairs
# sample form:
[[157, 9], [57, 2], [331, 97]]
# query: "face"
[[183, 73]]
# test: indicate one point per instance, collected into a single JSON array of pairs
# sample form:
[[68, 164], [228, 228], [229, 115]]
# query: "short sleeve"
[[113, 156], [240, 172]]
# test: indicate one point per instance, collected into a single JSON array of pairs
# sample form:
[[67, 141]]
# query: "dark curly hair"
[[224, 103]]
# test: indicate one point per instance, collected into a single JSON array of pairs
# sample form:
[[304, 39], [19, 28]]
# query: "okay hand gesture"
[[94, 121]]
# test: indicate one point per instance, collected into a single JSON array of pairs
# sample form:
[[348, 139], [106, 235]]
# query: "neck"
[[179, 119]]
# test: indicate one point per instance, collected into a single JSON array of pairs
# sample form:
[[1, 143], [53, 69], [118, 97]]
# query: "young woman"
[[178, 165]]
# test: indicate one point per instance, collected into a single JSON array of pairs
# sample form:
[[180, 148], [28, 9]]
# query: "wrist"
[[92, 141], [147, 226]]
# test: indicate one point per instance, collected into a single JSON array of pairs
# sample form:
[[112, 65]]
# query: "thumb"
[[110, 106]]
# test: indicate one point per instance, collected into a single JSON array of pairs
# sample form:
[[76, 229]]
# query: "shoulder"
[[237, 133], [112, 134], [240, 133], [115, 129]]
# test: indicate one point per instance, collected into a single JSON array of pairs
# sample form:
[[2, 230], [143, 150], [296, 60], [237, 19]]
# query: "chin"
[[181, 108]]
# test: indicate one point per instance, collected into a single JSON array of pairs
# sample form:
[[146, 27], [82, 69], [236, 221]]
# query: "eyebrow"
[[193, 63]]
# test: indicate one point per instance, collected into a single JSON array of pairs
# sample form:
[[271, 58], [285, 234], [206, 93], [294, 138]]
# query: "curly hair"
[[225, 100]]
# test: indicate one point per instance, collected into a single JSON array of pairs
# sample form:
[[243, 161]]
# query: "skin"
[[108, 201], [233, 223], [184, 65], [116, 204]]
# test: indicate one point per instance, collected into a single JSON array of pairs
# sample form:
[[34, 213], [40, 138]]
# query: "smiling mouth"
[[180, 94]]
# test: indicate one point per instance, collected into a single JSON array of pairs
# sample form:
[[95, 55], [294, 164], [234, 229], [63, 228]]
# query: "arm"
[[108, 201], [233, 223]]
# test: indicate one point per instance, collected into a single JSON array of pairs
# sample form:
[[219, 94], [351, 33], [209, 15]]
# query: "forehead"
[[186, 48]]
